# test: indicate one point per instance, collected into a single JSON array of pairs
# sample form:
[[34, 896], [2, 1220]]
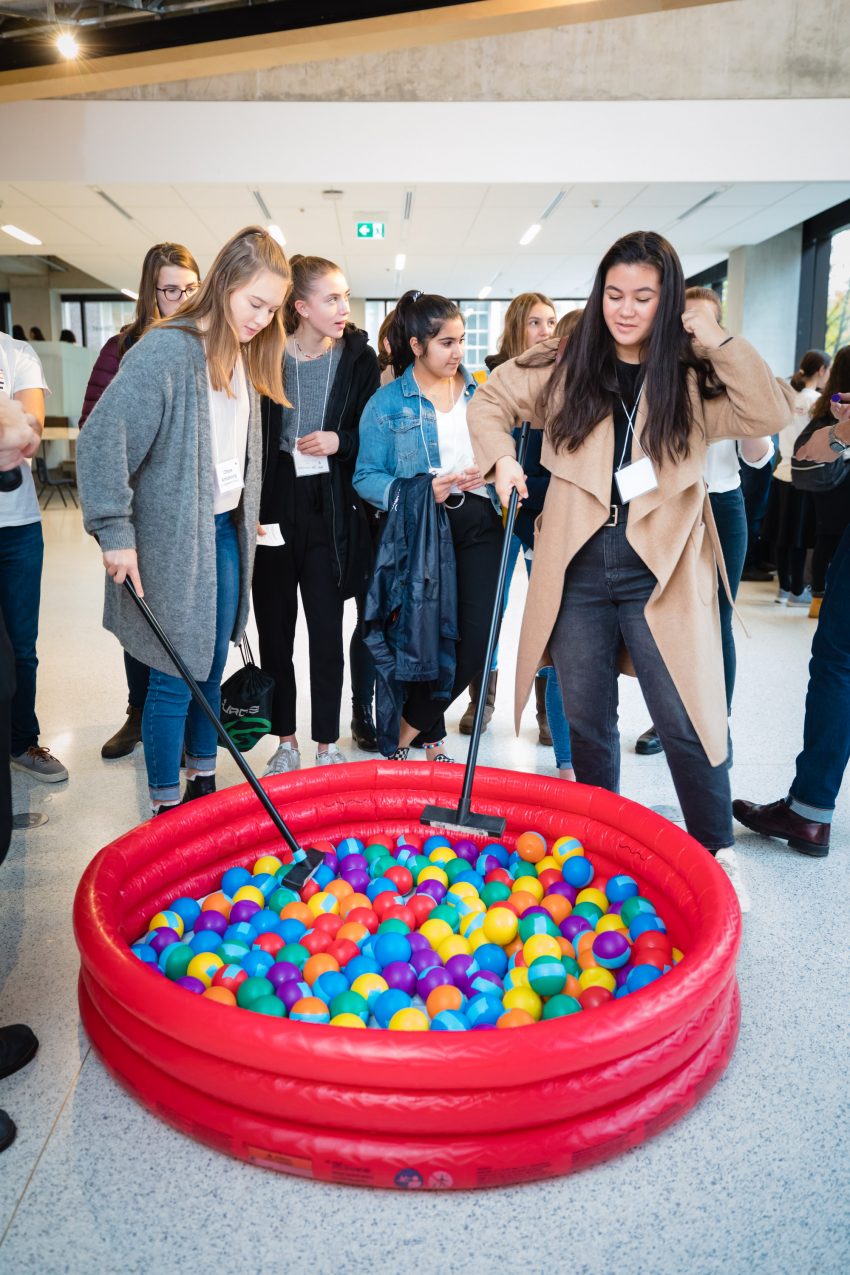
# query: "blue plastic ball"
[[329, 985], [188, 910], [265, 883], [349, 845], [265, 922], [578, 871], [641, 976], [390, 947], [620, 888], [363, 964], [646, 921], [206, 941], [484, 1009], [234, 879], [145, 953], [323, 876], [493, 958], [435, 842], [378, 886], [389, 1003], [232, 951], [450, 1020], [256, 962], [291, 929], [242, 932]]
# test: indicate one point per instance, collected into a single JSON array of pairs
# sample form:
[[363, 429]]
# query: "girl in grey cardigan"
[[169, 475]]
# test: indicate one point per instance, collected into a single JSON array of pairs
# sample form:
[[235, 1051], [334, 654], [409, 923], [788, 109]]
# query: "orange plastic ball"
[[566, 946], [340, 889], [223, 995], [352, 901], [515, 1018], [321, 963], [557, 906], [521, 901], [531, 847], [297, 912], [353, 931], [443, 998], [217, 902], [572, 987]]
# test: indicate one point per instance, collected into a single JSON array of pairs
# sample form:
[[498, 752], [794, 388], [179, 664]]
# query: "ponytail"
[[306, 273], [810, 364], [418, 315]]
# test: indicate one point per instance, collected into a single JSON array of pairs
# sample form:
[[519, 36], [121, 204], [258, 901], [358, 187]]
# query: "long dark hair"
[[838, 382], [588, 371], [810, 364], [147, 306], [419, 315]]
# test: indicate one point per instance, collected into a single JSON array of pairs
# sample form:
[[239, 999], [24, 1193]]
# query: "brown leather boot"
[[544, 733], [124, 740]]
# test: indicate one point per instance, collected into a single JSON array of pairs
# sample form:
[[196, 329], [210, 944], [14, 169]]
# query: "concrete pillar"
[[31, 304], [762, 297]]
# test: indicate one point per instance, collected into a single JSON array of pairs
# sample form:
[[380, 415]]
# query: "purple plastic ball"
[[191, 984], [467, 850], [423, 960], [564, 888], [291, 991], [281, 972], [458, 969], [353, 863], [481, 977], [616, 908], [574, 925], [484, 1027], [332, 862], [418, 942], [243, 910], [400, 976], [611, 949], [211, 921], [621, 975], [431, 979], [162, 938], [358, 881], [436, 889]]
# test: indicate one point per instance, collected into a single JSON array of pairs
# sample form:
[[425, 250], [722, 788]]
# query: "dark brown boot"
[[544, 735], [490, 701], [124, 740], [465, 723]]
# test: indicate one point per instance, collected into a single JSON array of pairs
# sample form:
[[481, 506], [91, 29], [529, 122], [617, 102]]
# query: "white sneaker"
[[728, 861], [332, 757], [285, 758], [803, 599]]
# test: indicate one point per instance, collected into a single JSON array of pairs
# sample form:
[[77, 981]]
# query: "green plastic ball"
[[495, 892], [537, 923], [280, 897], [269, 1005], [561, 1007], [295, 953], [547, 976], [350, 1003], [177, 960], [589, 911], [445, 912], [630, 909], [253, 989]]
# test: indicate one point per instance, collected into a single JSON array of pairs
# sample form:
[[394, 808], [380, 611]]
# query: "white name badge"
[[636, 479], [308, 466], [228, 477], [272, 537]]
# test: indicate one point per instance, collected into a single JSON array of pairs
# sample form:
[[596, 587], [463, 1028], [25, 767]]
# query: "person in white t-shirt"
[[21, 557]]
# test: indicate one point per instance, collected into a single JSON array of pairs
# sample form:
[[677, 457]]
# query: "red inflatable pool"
[[392, 1109]]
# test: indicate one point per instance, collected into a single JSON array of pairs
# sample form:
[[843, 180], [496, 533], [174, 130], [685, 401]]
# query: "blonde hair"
[[242, 257], [147, 306], [306, 273], [706, 294], [568, 323], [514, 338]]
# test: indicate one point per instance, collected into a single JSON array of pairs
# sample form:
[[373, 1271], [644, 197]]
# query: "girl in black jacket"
[[309, 450]]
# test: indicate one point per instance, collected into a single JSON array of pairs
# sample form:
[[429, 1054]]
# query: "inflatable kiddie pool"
[[419, 1109]]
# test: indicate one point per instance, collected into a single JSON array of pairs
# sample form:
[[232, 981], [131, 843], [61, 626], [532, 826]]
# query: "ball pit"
[[461, 1104]]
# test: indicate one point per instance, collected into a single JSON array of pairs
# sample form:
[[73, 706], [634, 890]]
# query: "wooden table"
[[60, 433]]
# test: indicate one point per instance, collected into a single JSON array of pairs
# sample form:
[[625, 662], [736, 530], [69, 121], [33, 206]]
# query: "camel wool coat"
[[671, 528]]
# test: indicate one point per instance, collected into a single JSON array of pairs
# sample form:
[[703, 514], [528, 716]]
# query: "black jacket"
[[537, 480], [355, 381], [411, 607]]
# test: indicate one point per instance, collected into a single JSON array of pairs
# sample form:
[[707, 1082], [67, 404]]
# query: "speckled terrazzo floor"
[[754, 1180]]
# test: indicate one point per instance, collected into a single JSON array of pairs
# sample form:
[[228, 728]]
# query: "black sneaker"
[[648, 744], [200, 786], [7, 1130], [18, 1045]]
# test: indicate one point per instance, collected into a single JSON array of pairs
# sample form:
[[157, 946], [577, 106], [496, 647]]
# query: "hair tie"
[[416, 295]]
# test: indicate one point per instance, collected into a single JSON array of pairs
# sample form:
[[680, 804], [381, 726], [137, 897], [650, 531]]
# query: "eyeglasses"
[[172, 293]]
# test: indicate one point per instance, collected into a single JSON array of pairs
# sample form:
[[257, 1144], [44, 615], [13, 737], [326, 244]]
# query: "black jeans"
[[21, 559], [477, 537], [606, 589], [304, 562], [138, 676], [755, 488], [731, 519], [791, 568]]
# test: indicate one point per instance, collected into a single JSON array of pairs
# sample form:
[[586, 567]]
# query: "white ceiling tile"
[[142, 195]]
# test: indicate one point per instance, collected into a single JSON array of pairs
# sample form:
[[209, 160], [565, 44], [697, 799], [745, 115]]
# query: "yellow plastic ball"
[[463, 890], [611, 921], [167, 919], [477, 938], [432, 874], [410, 1020], [442, 854], [454, 945], [204, 966], [564, 848], [501, 925], [435, 931], [473, 922], [322, 903], [347, 1020], [267, 863], [541, 945], [548, 864], [528, 885], [523, 998], [596, 977], [369, 986], [516, 977], [250, 893], [590, 895]]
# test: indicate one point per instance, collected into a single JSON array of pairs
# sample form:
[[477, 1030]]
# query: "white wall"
[[763, 295]]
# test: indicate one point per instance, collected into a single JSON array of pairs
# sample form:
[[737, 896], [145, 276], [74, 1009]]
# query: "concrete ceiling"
[[457, 239]]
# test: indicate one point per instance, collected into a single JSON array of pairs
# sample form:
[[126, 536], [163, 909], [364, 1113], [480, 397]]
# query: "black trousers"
[[477, 537], [7, 691], [304, 563]]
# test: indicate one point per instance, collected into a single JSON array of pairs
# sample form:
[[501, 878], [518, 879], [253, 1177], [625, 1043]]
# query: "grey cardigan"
[[145, 474]]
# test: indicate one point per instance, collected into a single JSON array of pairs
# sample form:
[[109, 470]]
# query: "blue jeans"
[[606, 589], [826, 730], [731, 518], [171, 715], [21, 558]]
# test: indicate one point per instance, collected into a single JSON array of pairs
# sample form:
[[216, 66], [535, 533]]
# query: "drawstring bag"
[[246, 702]]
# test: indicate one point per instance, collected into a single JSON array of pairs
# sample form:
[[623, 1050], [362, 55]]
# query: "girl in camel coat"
[[626, 551]]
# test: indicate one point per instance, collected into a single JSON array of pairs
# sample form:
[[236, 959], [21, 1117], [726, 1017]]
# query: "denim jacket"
[[391, 443]]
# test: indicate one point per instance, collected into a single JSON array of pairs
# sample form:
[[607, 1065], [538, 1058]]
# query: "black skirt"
[[790, 519]]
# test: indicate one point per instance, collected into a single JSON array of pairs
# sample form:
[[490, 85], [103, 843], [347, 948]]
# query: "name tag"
[[636, 479], [228, 477], [308, 466]]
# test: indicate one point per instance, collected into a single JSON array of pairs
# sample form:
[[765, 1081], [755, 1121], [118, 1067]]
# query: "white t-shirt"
[[20, 369], [722, 472], [229, 423], [456, 452], [804, 401]]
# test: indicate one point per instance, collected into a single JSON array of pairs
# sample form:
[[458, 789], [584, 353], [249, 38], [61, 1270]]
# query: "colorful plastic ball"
[[388, 1004], [191, 984], [495, 892], [566, 848], [233, 879], [315, 966], [611, 949], [540, 945], [483, 1009], [252, 989], [290, 992], [593, 997], [349, 1002], [256, 962], [436, 889], [269, 1005], [222, 995], [330, 985], [349, 845], [649, 956], [531, 846], [641, 976], [643, 922], [282, 972], [400, 975], [620, 888], [265, 883], [516, 1018], [454, 945], [348, 1020], [501, 925], [547, 976], [309, 1009], [188, 910], [561, 1007], [450, 1020], [176, 959], [573, 926], [524, 998], [410, 1020], [578, 871], [218, 901], [633, 905], [233, 950], [211, 922], [597, 977], [492, 957], [435, 841], [252, 892], [516, 977], [162, 938], [206, 941], [389, 948], [369, 987], [204, 967], [486, 983], [146, 953]]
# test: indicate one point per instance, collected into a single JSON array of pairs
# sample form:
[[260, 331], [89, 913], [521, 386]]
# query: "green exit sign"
[[370, 230]]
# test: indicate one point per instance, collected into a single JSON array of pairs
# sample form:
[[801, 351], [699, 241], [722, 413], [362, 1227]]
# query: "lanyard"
[[298, 394], [630, 428], [432, 469]]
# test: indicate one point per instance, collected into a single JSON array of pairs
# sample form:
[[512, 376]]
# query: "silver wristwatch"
[[836, 443]]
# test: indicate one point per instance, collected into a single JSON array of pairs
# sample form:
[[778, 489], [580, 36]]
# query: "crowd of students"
[[243, 443]]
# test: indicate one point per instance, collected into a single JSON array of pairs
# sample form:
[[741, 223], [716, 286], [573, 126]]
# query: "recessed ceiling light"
[[485, 292], [23, 235], [400, 260], [276, 233], [531, 233], [67, 45], [134, 296]]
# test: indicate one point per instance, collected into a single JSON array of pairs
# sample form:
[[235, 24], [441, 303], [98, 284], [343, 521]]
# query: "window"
[[94, 318], [838, 295], [823, 317], [5, 313]]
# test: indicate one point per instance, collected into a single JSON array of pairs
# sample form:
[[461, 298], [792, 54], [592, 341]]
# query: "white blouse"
[[229, 424], [455, 445]]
